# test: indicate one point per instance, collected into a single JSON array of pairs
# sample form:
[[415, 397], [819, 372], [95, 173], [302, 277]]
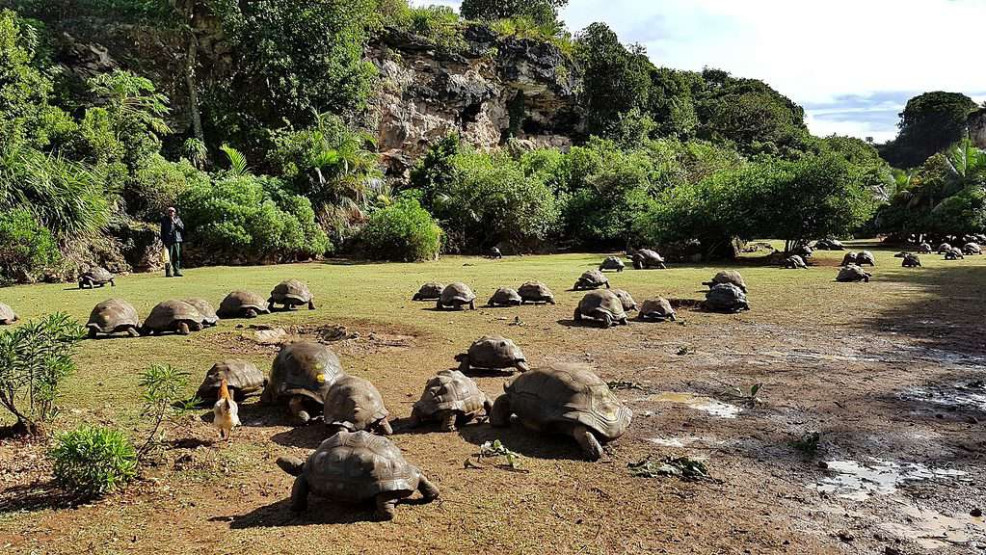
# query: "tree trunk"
[[193, 94]]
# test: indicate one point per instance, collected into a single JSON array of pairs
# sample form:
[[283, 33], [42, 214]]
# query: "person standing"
[[172, 229]]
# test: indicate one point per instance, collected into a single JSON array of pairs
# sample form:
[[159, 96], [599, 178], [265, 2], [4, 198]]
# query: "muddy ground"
[[867, 435]]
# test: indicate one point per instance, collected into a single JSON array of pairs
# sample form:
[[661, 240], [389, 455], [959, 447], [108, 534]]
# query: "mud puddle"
[[934, 530], [960, 396], [860, 481], [708, 405], [694, 442]]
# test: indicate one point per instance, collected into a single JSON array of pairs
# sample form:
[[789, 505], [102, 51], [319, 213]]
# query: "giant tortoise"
[[302, 373], [727, 276], [174, 316], [505, 296], [355, 404], [911, 260], [535, 292], [658, 309], [429, 292], [727, 298], [612, 263], [645, 259], [972, 248], [7, 315], [591, 279], [492, 353], [849, 259], [113, 316], [925, 248], [795, 262], [954, 253], [243, 379], [944, 248], [567, 399], [628, 303], [356, 467], [853, 273], [209, 316], [242, 304], [865, 258], [457, 296], [96, 277], [603, 306], [290, 295], [451, 398]]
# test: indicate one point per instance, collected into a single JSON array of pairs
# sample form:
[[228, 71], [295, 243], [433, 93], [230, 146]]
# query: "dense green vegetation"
[[278, 163]]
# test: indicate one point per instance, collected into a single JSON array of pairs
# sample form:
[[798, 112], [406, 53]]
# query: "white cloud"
[[813, 51]]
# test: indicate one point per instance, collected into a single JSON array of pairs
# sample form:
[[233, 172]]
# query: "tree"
[[930, 123], [542, 12], [24, 90], [134, 112]]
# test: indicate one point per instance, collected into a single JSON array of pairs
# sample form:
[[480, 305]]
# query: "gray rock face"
[[977, 128], [494, 86]]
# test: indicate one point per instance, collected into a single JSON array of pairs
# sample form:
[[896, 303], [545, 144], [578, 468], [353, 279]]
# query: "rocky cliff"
[[977, 128]]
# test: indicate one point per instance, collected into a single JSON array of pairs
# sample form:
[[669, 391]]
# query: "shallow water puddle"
[[933, 530], [685, 441], [853, 480], [970, 396], [693, 401]]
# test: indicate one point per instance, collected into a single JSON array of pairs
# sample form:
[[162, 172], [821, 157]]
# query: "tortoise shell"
[[243, 379], [726, 297], [536, 292], [505, 296], [795, 262], [209, 317], [657, 309], [7, 315], [625, 298], [911, 261], [647, 258], [852, 273], [591, 279], [357, 466], [612, 263], [567, 393], [429, 292], [238, 304], [354, 403], [849, 258], [493, 352], [600, 305], [96, 276], [972, 248], [451, 390], [290, 293], [112, 316], [167, 315], [865, 257], [457, 294], [304, 368], [727, 276]]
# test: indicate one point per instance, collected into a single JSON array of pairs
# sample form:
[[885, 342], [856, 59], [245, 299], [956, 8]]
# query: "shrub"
[[158, 185], [403, 231], [34, 359], [164, 397], [91, 461], [243, 218], [26, 247]]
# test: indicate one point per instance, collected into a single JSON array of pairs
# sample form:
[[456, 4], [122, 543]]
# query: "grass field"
[[838, 359]]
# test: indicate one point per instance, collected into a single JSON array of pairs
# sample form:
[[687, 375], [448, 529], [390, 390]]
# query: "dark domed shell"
[[357, 466], [457, 293], [451, 390], [303, 368], [238, 303], [505, 296], [165, 316], [591, 279], [612, 263], [429, 292], [291, 292], [726, 297], [241, 376], [113, 315], [355, 403], [536, 292], [598, 304], [209, 317], [728, 276], [656, 309], [852, 273], [494, 352]]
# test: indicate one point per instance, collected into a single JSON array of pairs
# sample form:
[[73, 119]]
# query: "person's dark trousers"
[[174, 255]]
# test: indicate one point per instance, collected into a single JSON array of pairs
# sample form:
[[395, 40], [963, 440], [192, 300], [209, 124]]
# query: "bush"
[[34, 360], [158, 185], [91, 461], [26, 248], [243, 218], [403, 231]]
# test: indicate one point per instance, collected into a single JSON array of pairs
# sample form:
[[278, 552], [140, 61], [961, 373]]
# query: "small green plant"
[[164, 399], [91, 461], [34, 360], [750, 399], [808, 444], [624, 385], [683, 467], [496, 448]]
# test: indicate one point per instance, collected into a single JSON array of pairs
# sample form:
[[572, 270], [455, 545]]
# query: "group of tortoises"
[[358, 463], [182, 316]]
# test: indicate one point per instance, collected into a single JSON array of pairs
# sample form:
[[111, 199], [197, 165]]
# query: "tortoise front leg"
[[299, 494], [428, 490], [385, 428], [588, 442], [415, 419], [488, 408], [447, 420], [386, 506], [472, 305], [182, 328], [297, 407], [311, 304], [500, 415]]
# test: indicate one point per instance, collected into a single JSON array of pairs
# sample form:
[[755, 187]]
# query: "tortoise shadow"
[[280, 515], [308, 436], [260, 415], [587, 323], [526, 442]]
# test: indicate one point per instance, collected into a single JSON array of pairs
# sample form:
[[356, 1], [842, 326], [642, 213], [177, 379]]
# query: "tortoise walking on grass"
[[795, 262], [727, 276], [243, 379], [727, 298], [911, 260], [492, 353], [853, 273], [591, 279], [954, 254], [355, 404], [645, 259], [290, 295], [495, 253], [849, 259], [944, 248], [356, 467], [658, 309], [7, 315], [972, 248], [209, 317], [242, 304], [113, 316], [568, 400], [865, 258], [603, 306], [301, 376], [925, 248], [457, 296], [451, 398], [429, 292], [505, 296], [628, 303], [174, 316], [612, 263], [96, 277], [535, 292]]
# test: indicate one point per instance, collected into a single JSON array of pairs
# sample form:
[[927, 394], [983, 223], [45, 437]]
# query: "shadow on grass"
[[527, 443], [34, 497], [320, 511], [308, 436]]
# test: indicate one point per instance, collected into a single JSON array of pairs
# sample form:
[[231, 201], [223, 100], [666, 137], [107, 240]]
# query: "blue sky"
[[851, 63]]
